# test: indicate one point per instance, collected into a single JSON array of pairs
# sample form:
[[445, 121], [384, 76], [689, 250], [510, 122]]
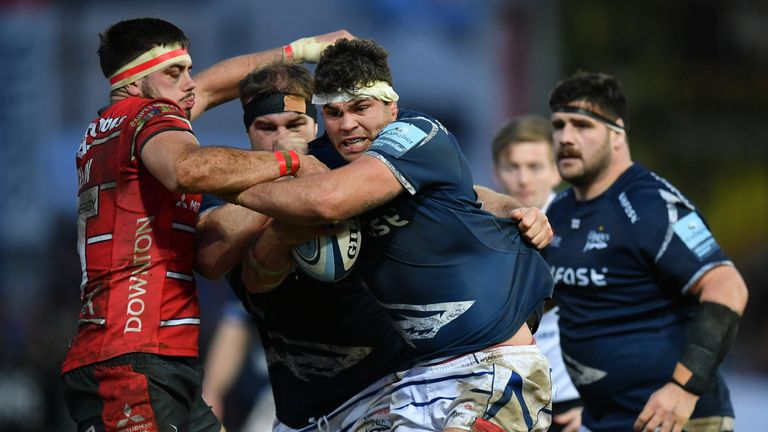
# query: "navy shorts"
[[139, 392]]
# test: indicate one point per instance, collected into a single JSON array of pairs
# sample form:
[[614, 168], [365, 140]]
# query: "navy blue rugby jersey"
[[622, 264], [454, 278], [324, 343]]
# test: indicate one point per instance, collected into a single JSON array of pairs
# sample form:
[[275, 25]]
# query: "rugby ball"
[[330, 258]]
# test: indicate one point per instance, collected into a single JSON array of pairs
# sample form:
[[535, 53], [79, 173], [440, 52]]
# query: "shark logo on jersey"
[[580, 373], [597, 240], [307, 358], [424, 321]]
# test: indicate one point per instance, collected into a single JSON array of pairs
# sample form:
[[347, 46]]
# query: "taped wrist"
[[303, 50], [711, 336], [287, 162], [265, 277]]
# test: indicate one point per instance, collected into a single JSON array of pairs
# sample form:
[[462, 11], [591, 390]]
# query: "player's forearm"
[[294, 201], [497, 204], [266, 263], [218, 83], [723, 296], [222, 236], [220, 170]]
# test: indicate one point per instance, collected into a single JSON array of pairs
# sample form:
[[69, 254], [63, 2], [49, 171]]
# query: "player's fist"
[[309, 49]]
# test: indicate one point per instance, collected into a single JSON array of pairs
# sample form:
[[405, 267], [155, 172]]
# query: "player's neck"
[[603, 181]]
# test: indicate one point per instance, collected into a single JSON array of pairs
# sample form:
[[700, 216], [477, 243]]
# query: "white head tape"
[[379, 90]]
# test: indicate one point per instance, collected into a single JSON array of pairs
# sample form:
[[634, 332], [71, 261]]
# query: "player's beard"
[[593, 168], [150, 93]]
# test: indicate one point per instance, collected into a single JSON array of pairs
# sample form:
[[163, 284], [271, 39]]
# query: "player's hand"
[[534, 226], [668, 409], [310, 165], [570, 420], [290, 141], [309, 49]]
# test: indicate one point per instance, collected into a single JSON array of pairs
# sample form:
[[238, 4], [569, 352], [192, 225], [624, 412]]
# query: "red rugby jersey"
[[135, 239]]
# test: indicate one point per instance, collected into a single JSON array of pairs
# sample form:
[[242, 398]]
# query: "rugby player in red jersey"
[[133, 363]]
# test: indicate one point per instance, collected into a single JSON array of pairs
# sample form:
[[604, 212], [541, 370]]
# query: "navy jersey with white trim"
[[453, 277], [622, 264]]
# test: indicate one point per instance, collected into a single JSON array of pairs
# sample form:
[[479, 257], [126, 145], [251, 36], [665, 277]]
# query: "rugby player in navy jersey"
[[324, 342], [649, 303], [458, 282]]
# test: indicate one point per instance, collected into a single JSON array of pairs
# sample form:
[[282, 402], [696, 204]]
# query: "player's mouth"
[[187, 102], [355, 145]]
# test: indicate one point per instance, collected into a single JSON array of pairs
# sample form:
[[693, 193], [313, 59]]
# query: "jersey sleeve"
[[210, 202], [158, 116], [674, 237], [419, 152]]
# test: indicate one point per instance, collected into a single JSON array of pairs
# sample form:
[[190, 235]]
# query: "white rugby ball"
[[330, 258]]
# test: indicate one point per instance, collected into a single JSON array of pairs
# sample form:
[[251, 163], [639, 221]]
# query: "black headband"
[[276, 103], [576, 110]]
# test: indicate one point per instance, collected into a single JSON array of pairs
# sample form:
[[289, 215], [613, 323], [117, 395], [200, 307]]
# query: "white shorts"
[[506, 388], [366, 411]]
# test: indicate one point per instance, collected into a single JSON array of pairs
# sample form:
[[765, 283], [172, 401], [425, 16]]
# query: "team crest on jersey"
[[399, 137], [424, 321], [597, 240]]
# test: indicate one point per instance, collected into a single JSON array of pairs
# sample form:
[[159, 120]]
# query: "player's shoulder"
[[648, 191], [561, 202], [144, 110], [428, 125]]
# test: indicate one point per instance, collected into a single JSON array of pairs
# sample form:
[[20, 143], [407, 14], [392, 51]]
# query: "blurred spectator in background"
[[524, 166]]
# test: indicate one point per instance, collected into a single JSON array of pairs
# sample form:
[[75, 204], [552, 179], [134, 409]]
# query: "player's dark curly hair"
[[348, 64], [124, 41], [293, 79], [599, 89]]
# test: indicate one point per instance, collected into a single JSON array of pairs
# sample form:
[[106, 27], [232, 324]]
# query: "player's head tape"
[[601, 118], [378, 90], [153, 60], [277, 103]]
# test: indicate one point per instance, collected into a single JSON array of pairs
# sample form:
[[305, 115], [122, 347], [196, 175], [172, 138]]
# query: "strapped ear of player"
[[330, 258]]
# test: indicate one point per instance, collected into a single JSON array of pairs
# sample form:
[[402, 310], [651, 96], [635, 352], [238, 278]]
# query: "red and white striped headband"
[[151, 61]]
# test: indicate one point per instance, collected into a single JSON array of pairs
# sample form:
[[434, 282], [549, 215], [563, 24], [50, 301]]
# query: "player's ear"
[[393, 109], [133, 89]]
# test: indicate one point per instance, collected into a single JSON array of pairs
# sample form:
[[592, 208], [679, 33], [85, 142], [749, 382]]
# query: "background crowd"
[[693, 71]]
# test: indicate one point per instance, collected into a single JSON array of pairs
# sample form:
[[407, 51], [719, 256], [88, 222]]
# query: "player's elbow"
[[208, 266]]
